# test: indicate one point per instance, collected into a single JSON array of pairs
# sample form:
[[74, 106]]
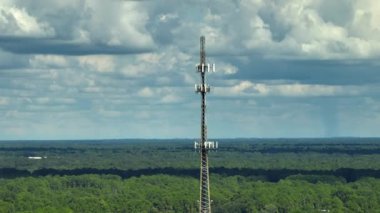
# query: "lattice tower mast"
[[204, 146]]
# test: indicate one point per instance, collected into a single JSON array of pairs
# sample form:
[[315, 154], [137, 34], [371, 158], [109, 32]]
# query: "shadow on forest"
[[272, 175]]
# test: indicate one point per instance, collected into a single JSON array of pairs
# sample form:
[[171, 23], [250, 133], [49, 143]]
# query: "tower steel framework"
[[203, 145]]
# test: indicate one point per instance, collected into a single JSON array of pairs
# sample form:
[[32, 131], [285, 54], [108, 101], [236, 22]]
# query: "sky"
[[95, 69]]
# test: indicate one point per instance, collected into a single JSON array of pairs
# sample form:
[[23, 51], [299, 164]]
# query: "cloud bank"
[[117, 69]]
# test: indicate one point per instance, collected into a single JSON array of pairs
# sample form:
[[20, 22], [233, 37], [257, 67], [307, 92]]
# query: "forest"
[[247, 175]]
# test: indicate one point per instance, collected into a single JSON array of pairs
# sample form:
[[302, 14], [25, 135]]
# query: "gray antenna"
[[204, 146]]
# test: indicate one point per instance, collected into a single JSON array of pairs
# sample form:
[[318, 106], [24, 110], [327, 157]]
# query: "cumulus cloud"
[[97, 63], [74, 28], [247, 88], [281, 29], [274, 29], [18, 22], [4, 101], [226, 68], [146, 92], [43, 61], [166, 95], [165, 66]]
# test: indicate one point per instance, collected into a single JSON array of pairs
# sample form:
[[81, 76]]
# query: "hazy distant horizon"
[[187, 139]]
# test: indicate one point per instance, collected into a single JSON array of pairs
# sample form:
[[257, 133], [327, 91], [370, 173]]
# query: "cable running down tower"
[[203, 145]]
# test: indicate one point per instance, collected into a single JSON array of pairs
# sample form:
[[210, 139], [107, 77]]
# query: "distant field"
[[247, 175]]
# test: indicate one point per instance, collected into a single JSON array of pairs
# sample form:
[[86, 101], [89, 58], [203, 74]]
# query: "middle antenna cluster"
[[202, 68], [205, 68]]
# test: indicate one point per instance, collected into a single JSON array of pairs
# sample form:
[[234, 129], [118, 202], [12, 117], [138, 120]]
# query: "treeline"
[[271, 175], [232, 154], [163, 193]]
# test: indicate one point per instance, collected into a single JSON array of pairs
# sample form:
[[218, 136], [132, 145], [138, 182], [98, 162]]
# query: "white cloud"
[[109, 113], [117, 23], [4, 101], [75, 27], [54, 100], [170, 98], [146, 92], [167, 17], [135, 70], [43, 100], [305, 33], [18, 22], [285, 29], [92, 89], [158, 64], [226, 68], [44, 61], [247, 88], [99, 63], [167, 95], [274, 29]]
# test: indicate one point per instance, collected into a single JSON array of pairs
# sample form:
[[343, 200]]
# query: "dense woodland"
[[247, 175]]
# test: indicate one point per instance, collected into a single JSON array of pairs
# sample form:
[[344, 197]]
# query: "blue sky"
[[125, 69]]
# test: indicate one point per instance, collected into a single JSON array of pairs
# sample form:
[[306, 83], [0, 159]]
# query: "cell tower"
[[203, 145]]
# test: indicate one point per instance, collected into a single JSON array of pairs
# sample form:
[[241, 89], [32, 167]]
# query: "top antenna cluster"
[[203, 67]]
